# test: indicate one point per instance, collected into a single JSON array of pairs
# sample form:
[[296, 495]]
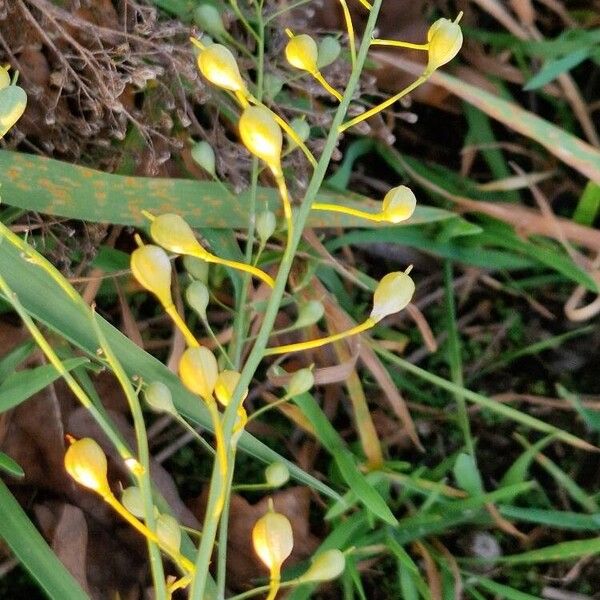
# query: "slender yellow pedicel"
[[350, 30], [391, 295], [172, 233], [398, 205], [273, 541], [366, 4], [309, 345], [444, 40], [199, 373], [151, 266], [399, 44], [86, 463], [263, 138], [302, 53]]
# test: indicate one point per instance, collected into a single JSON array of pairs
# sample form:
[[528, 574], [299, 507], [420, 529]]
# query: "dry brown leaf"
[[70, 541]]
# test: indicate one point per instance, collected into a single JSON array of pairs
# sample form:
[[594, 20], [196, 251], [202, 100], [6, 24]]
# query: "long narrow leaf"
[[34, 553]]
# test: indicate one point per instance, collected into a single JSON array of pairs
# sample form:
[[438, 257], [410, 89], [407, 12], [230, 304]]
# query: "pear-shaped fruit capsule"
[[151, 267], [158, 398], [225, 386], [277, 474], [218, 65], [392, 294], [265, 225], [273, 84], [86, 463], [300, 382], [196, 267], [329, 50], [198, 371], [168, 532], [204, 155], [172, 233], [398, 204], [132, 500], [262, 136], [302, 129], [197, 297], [325, 566], [302, 52], [13, 101], [4, 78], [273, 540], [445, 39], [309, 314], [208, 18]]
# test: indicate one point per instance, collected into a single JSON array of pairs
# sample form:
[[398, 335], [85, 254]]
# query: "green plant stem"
[[455, 358], [266, 588], [142, 473], [224, 528], [257, 353], [239, 323], [242, 18], [214, 338], [196, 435], [264, 409], [53, 358]]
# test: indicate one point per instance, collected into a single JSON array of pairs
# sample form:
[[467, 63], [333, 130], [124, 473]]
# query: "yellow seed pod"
[[198, 371], [302, 52], [392, 294], [86, 463], [445, 39], [150, 265], [262, 136], [325, 566], [225, 386], [273, 539], [218, 65], [399, 204], [13, 101], [172, 233], [168, 532], [4, 78]]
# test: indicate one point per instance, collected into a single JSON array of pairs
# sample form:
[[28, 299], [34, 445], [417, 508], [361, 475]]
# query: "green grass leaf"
[[555, 553], [20, 386], [588, 205], [555, 67], [14, 358], [344, 459], [33, 552], [8, 465], [56, 188]]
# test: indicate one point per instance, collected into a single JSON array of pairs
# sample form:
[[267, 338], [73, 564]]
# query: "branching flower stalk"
[[257, 353], [444, 40], [217, 64], [141, 468]]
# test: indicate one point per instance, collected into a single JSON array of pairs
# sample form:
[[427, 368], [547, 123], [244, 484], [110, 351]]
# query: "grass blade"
[[33, 552], [21, 385]]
